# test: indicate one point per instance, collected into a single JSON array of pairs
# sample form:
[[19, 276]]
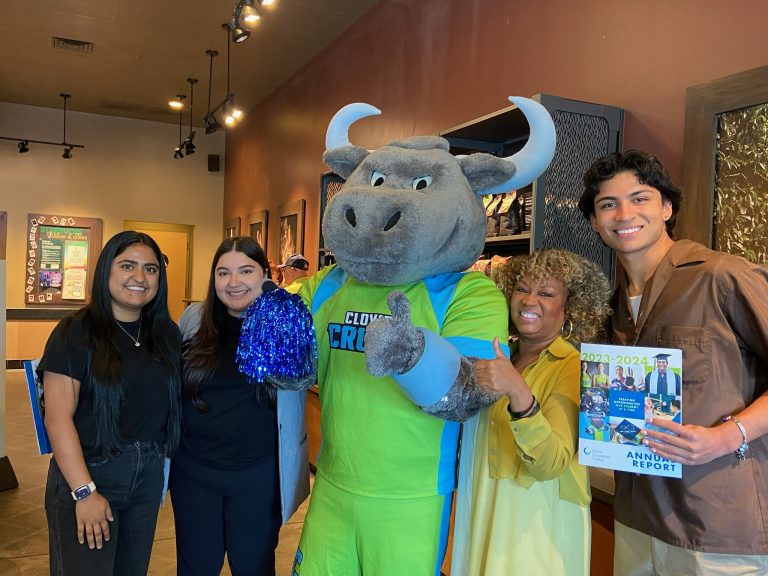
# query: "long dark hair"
[[158, 334], [200, 351]]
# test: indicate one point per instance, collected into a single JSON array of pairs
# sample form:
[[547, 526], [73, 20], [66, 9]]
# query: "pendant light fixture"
[[23, 143], [230, 113], [189, 145], [209, 120], [245, 16], [178, 152]]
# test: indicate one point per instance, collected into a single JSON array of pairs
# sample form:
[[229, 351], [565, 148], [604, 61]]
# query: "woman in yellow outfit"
[[530, 497]]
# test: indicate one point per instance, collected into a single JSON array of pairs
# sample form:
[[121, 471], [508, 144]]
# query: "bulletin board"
[[61, 254]]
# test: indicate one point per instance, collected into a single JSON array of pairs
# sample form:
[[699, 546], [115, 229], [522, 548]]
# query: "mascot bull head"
[[411, 209]]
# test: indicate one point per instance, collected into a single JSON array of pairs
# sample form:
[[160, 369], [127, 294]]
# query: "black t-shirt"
[[239, 429], [145, 380]]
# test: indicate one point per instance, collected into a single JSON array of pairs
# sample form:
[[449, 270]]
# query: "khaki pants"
[[637, 554]]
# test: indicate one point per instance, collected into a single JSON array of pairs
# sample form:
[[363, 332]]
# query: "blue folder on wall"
[[36, 401]]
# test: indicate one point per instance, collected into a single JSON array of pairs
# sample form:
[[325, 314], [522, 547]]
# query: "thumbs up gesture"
[[393, 345], [499, 376]]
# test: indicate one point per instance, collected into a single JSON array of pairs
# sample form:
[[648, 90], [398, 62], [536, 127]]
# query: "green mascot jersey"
[[376, 441]]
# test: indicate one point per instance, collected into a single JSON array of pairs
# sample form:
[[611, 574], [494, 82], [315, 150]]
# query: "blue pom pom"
[[277, 339]]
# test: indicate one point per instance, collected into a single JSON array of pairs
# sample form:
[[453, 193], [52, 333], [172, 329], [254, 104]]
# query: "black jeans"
[[132, 482], [218, 511]]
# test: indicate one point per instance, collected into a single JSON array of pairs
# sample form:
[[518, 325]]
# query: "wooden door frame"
[[187, 229], [703, 104]]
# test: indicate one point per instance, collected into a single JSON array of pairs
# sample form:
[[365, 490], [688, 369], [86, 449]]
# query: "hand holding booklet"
[[622, 388]]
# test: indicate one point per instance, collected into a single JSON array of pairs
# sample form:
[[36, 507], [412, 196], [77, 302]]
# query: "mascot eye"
[[377, 178], [421, 182]]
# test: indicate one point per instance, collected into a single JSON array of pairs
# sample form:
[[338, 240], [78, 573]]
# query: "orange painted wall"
[[432, 64]]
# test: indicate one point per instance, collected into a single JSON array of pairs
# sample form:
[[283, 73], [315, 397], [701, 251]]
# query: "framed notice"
[[61, 253]]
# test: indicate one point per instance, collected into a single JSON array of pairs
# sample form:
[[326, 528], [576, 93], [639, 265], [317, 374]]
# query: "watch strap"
[[83, 491]]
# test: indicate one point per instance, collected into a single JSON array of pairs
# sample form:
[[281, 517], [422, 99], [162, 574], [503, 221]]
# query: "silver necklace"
[[135, 340]]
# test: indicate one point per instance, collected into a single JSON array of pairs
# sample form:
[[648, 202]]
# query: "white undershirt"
[[634, 306]]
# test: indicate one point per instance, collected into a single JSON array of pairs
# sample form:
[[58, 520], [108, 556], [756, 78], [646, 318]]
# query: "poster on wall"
[[291, 216], [60, 255]]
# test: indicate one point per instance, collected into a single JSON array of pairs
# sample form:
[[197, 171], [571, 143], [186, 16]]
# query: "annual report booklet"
[[621, 388]]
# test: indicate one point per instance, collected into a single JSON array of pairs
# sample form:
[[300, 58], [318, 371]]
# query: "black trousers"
[[132, 482], [217, 511]]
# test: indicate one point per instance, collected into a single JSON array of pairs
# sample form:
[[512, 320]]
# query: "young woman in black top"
[[241, 468], [111, 382]]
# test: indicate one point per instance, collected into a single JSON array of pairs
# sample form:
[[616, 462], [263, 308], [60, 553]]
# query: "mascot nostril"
[[392, 221], [399, 323], [350, 216]]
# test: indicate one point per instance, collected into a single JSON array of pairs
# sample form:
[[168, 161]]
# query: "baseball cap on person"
[[295, 261]]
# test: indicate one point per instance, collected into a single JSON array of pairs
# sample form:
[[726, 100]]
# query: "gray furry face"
[[405, 214]]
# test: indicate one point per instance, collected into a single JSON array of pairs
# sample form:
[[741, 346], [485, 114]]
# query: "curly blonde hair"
[[589, 292]]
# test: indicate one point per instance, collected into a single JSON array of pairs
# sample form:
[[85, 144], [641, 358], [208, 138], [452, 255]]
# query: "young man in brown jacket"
[[714, 306]]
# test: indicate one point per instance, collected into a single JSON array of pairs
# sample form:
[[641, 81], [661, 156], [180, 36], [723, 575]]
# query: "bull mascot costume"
[[398, 324]]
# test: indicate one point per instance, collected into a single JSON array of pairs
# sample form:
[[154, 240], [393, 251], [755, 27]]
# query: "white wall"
[[125, 172]]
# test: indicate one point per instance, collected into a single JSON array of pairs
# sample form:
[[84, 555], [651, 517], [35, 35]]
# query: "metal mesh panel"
[[581, 140]]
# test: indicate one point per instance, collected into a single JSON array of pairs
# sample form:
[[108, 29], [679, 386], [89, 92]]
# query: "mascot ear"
[[345, 159], [484, 171]]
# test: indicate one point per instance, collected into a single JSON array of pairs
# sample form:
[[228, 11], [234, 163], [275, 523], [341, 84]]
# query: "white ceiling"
[[144, 50]]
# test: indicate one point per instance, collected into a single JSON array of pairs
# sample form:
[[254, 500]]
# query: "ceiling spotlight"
[[239, 33], [67, 153], [246, 13], [176, 104], [210, 123], [177, 153], [189, 145], [23, 147]]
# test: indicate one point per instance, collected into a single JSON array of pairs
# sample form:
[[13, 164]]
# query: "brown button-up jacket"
[[714, 307]]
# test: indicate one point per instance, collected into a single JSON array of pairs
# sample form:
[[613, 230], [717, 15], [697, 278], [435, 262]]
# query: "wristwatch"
[[84, 491]]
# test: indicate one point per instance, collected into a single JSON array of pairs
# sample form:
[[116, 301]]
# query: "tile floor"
[[23, 530]]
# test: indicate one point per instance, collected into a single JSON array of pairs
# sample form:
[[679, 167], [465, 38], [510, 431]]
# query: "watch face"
[[82, 492]]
